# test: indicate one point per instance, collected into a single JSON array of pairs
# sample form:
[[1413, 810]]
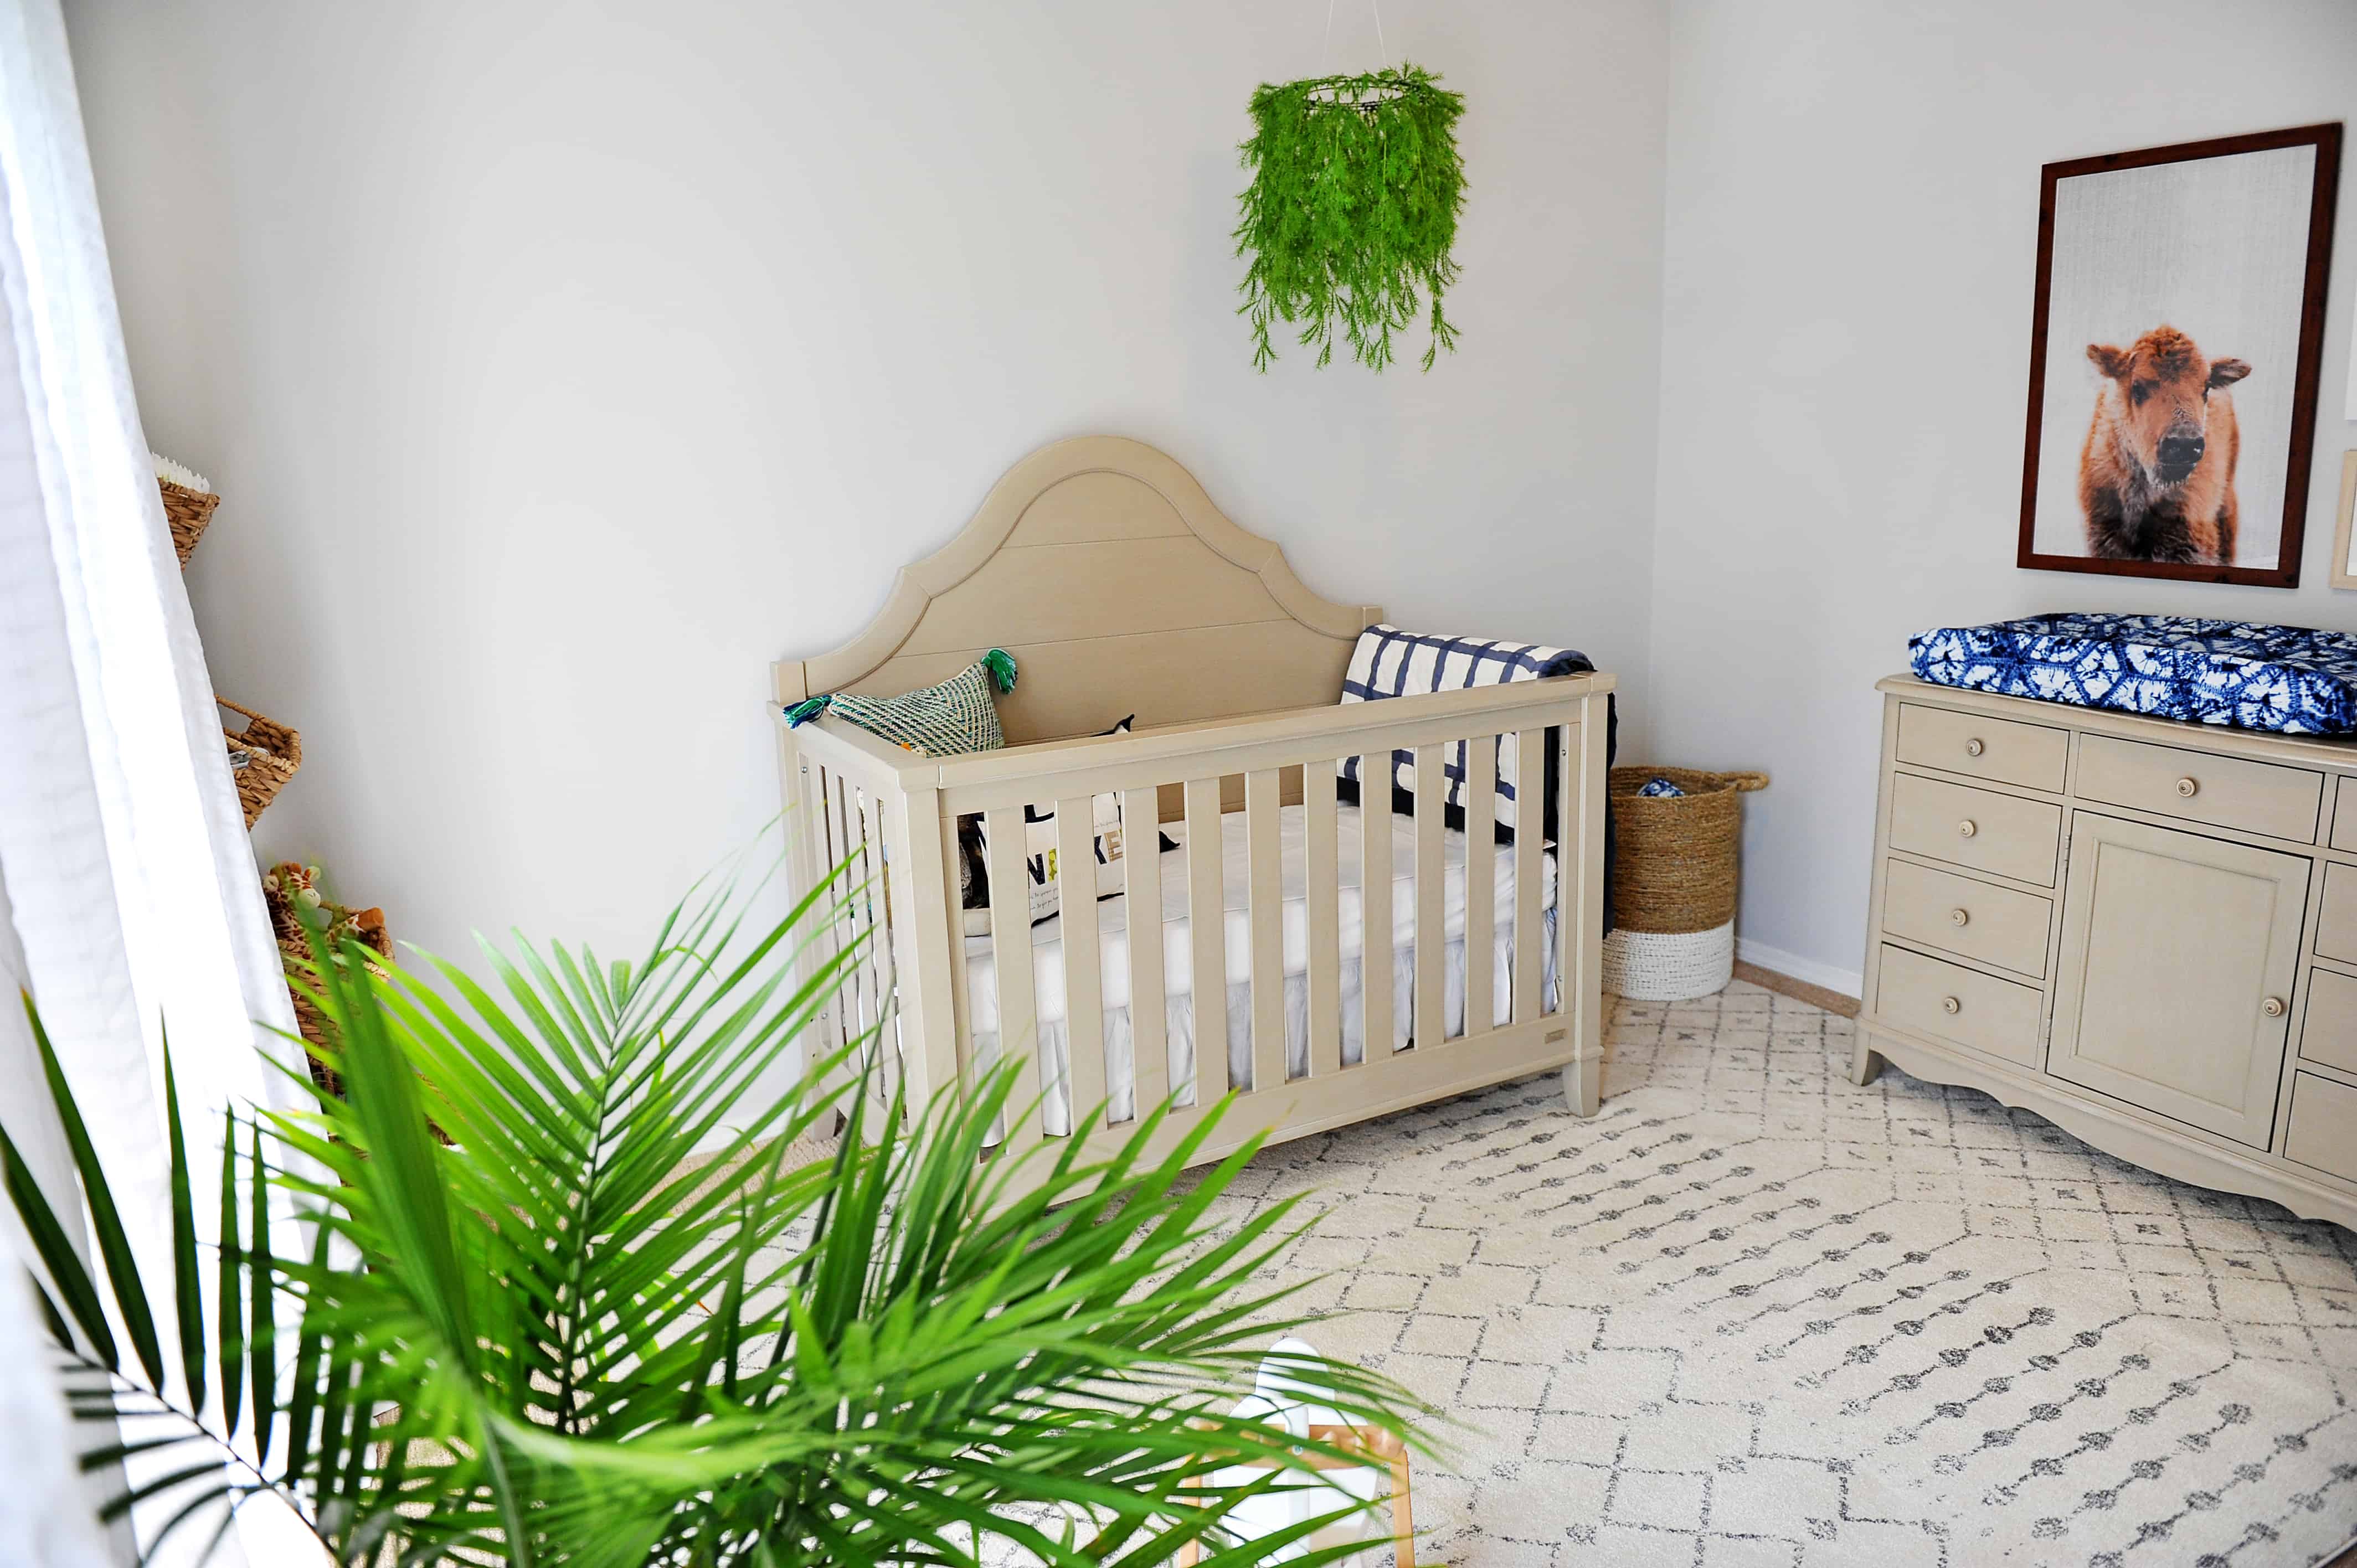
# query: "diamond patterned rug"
[[1752, 1315]]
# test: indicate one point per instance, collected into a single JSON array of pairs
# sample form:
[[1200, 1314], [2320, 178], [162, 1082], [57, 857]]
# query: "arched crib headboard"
[[1102, 566]]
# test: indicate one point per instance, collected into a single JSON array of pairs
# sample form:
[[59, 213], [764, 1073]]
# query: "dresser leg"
[[1864, 1062]]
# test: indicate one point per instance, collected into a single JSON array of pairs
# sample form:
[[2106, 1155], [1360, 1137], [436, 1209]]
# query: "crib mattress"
[[2288, 679], [1113, 927]]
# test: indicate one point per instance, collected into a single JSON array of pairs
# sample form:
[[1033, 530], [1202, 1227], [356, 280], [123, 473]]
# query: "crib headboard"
[[1102, 566]]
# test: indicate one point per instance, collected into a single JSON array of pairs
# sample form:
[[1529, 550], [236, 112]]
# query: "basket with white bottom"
[[1673, 882], [1669, 966]]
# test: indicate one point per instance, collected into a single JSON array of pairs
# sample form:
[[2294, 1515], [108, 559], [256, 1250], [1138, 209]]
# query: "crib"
[[1327, 962]]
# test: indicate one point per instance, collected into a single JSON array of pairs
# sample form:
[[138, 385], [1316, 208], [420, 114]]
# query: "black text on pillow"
[[1039, 855]]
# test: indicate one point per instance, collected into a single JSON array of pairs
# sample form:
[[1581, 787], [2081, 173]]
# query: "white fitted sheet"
[[1113, 927]]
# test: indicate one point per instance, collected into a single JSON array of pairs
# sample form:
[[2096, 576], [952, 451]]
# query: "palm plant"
[[560, 1339]]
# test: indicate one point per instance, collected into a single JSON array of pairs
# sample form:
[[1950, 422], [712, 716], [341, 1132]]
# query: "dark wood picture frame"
[[2326, 140]]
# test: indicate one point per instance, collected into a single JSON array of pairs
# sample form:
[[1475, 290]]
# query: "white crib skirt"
[[1048, 964]]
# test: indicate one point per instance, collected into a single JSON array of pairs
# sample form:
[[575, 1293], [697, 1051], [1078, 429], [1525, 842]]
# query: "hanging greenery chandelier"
[[1352, 211]]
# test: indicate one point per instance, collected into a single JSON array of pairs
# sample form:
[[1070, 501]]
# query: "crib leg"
[[1582, 1084]]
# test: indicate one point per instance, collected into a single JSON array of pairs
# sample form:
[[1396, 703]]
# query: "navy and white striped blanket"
[[1389, 662]]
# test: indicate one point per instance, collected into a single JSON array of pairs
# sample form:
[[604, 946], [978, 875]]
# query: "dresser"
[[2144, 932]]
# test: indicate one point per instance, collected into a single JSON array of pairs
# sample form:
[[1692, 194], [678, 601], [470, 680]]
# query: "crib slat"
[[1076, 900], [1582, 933], [877, 961], [846, 852], [1141, 861], [866, 875], [1010, 947], [926, 949], [805, 836], [838, 928], [1431, 896], [960, 1002], [1530, 869], [1264, 860], [1324, 966], [1571, 844], [822, 831], [1480, 884], [1207, 932], [859, 915], [1375, 904]]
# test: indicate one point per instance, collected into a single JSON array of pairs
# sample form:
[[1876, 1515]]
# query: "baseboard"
[[1843, 985]]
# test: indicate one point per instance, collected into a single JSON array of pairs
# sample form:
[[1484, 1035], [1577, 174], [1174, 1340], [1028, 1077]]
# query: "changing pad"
[[2289, 679]]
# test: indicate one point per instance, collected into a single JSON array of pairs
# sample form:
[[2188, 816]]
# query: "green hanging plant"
[[1352, 211]]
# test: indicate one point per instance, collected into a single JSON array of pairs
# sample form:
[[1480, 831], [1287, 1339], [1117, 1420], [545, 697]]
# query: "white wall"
[[561, 368], [1852, 220]]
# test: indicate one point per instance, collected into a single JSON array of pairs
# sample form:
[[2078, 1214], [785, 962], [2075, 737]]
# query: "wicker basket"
[[1674, 869], [188, 511], [262, 757], [281, 891], [1669, 966], [1674, 883]]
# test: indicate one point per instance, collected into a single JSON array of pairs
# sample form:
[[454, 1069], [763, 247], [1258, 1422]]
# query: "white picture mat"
[[2351, 410], [2344, 570], [2215, 247]]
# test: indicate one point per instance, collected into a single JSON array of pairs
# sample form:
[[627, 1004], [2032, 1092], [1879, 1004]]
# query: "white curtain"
[[131, 887]]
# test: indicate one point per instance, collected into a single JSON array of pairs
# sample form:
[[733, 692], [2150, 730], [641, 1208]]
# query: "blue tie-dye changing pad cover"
[[2288, 679]]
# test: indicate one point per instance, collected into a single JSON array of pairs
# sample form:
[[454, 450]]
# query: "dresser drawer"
[[2336, 922], [1978, 829], [2029, 755], [1940, 910], [2328, 1034], [2227, 792], [2323, 1125], [1956, 1003], [2344, 813]]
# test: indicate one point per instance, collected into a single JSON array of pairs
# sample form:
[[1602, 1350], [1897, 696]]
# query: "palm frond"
[[608, 1321], [105, 1219]]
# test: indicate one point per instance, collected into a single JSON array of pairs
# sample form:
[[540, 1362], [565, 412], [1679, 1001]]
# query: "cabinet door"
[[2178, 954]]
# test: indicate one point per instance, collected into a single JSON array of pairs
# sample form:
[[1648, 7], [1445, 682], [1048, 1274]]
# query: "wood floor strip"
[[1798, 990]]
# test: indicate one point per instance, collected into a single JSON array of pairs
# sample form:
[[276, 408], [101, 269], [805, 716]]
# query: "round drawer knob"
[[2186, 788], [2272, 1006], [1950, 1005], [1974, 747], [1959, 915], [1967, 827]]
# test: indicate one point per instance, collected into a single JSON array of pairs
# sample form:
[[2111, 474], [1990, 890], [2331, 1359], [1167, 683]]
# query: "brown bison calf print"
[[2157, 475]]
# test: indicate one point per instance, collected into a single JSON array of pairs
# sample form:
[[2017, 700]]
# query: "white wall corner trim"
[[1841, 981]]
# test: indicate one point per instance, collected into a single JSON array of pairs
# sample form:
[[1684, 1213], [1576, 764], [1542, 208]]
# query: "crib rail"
[[889, 821]]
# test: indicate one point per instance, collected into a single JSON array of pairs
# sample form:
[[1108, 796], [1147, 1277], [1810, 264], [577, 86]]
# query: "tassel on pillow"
[[956, 716]]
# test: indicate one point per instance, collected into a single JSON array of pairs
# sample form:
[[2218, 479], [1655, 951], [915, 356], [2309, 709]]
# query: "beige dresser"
[[2144, 932]]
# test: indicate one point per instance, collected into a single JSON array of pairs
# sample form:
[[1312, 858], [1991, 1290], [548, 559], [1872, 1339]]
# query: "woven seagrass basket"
[[188, 511], [282, 891], [1674, 883], [262, 757], [1674, 866]]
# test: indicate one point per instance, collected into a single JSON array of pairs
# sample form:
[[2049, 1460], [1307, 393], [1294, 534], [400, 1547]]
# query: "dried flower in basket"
[[188, 502]]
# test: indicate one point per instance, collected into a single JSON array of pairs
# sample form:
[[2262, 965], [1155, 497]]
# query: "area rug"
[[1751, 1315]]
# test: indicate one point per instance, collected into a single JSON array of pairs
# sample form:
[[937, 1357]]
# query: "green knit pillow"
[[958, 715]]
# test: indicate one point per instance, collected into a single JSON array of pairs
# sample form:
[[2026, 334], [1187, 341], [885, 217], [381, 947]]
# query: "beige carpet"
[[1754, 1315]]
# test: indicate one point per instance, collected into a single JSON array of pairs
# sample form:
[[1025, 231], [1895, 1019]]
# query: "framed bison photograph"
[[2174, 356]]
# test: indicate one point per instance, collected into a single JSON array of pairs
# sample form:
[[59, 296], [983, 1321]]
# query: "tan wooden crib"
[[1102, 566]]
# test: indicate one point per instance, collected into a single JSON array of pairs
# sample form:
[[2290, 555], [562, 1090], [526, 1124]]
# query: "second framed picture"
[[2174, 357]]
